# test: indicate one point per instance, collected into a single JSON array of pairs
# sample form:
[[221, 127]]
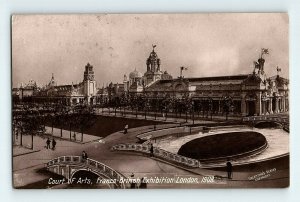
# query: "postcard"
[[150, 101]]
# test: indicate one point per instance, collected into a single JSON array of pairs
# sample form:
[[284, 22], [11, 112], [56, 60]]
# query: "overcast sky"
[[208, 44]]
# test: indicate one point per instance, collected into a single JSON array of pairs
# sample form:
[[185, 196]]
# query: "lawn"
[[222, 145], [105, 125]]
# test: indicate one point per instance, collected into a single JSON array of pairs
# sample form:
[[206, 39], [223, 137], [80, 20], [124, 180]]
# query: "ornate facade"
[[249, 94], [82, 93], [138, 82]]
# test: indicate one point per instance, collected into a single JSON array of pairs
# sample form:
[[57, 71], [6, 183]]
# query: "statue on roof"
[[153, 46]]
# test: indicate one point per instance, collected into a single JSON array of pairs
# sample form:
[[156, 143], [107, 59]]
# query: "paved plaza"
[[26, 167]]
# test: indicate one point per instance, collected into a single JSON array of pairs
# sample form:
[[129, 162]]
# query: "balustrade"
[[159, 153], [89, 163]]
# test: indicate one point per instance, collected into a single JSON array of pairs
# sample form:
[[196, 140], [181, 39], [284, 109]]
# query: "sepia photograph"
[[150, 101]]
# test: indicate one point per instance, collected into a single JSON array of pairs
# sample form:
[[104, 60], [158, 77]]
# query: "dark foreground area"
[[105, 125]]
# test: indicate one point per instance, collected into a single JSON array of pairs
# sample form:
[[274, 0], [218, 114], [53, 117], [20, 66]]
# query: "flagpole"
[[181, 68]]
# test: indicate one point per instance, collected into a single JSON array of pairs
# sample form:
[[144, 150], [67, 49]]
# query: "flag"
[[265, 51], [183, 68], [153, 46]]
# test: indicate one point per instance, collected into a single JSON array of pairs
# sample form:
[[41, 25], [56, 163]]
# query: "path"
[[26, 166]]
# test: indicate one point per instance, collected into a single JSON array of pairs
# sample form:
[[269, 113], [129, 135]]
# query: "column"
[[270, 106], [283, 103], [219, 110], [243, 106], [263, 107], [276, 105], [280, 105], [258, 104]]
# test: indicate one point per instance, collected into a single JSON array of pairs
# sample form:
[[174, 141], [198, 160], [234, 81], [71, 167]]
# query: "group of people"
[[134, 185], [48, 142]]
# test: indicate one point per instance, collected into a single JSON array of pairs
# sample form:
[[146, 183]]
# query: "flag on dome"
[[265, 51]]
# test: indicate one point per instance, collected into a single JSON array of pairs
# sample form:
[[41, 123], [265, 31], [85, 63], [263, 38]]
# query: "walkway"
[[278, 143], [26, 166]]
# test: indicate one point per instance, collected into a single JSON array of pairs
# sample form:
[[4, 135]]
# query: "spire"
[[52, 76]]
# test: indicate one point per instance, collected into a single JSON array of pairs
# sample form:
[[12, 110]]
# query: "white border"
[[8, 7]]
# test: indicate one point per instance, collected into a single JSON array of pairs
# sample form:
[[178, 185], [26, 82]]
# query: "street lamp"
[[193, 109]]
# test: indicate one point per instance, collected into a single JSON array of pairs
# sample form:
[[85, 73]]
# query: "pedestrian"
[[84, 156], [151, 150], [125, 128], [48, 143], [229, 169], [132, 181], [53, 144], [143, 184], [74, 136]]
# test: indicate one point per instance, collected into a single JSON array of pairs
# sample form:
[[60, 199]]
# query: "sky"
[[116, 44]]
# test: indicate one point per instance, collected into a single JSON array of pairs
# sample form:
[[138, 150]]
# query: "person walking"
[[53, 144], [48, 143], [229, 169], [74, 136], [125, 128], [84, 156], [151, 150], [143, 184], [132, 182]]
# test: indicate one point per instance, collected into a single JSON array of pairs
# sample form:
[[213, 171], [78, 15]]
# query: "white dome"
[[135, 74]]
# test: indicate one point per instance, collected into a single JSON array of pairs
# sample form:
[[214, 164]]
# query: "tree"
[[32, 123], [84, 117], [227, 105]]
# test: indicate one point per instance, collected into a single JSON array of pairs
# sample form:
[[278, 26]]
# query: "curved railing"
[[160, 153], [283, 120], [94, 165]]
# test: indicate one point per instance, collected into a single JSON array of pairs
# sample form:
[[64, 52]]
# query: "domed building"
[[135, 77], [240, 95], [138, 82], [135, 82], [153, 69]]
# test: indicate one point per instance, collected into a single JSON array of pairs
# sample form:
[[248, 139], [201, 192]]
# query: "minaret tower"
[[89, 82]]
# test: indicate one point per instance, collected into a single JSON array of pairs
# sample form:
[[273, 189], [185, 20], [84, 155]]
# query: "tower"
[[89, 82], [153, 68], [125, 82]]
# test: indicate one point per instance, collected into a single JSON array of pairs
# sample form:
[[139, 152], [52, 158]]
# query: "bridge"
[[284, 121], [158, 153], [68, 166]]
